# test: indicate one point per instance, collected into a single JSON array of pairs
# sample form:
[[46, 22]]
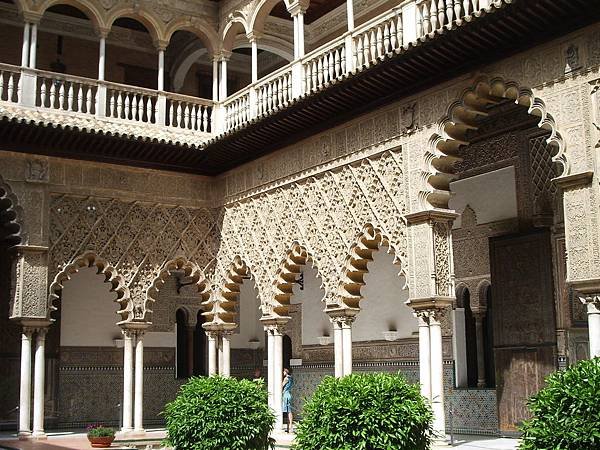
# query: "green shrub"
[[365, 412], [566, 413], [218, 413], [98, 430]]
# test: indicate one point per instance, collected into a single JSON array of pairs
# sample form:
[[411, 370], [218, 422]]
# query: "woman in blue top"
[[288, 383]]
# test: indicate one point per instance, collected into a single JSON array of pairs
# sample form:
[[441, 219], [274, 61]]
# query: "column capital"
[[102, 32], [431, 308], [160, 44], [274, 326], [298, 7], [254, 36], [223, 55], [28, 331], [342, 321], [32, 17]]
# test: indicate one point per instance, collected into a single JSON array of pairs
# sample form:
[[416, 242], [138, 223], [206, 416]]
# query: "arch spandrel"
[[154, 26], [199, 27], [89, 8], [236, 23]]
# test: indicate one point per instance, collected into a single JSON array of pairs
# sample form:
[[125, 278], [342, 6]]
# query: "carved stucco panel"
[[577, 204]]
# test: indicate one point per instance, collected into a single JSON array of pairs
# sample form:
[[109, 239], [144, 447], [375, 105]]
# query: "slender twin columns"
[[32, 332], [133, 379]]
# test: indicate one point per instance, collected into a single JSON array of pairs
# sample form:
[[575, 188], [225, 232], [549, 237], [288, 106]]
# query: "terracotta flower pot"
[[101, 442]]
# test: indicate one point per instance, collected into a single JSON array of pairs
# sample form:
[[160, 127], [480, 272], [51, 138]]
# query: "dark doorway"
[[523, 322]]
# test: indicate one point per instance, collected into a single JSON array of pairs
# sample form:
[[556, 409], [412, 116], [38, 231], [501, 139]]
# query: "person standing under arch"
[[287, 385]]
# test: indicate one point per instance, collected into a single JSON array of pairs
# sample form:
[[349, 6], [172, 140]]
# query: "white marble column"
[[220, 353], [270, 367], [25, 48], [127, 381], [295, 19], [39, 383], [300, 37], [25, 393], [254, 44], [424, 355], [278, 376], [102, 59], [350, 14], [346, 325], [212, 353], [33, 46], [437, 373], [593, 310], [223, 78], [215, 78], [138, 426], [225, 368], [338, 348], [479, 316], [161, 69]]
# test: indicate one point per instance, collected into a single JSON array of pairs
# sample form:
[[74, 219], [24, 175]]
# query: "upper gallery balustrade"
[[25, 88]]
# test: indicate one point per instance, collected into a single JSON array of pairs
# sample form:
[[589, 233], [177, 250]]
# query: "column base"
[[137, 433], [39, 435], [441, 441], [24, 435], [123, 433]]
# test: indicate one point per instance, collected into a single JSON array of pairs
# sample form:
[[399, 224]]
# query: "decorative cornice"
[[431, 215], [574, 180]]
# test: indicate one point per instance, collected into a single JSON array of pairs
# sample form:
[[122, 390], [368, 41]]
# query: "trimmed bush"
[[566, 413], [218, 413], [365, 412]]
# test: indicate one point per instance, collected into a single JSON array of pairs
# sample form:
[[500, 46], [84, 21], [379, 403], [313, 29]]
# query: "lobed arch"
[[117, 282], [366, 243], [201, 29], [11, 217], [451, 133], [192, 272], [290, 268], [236, 24], [221, 309], [152, 24], [85, 6], [261, 12]]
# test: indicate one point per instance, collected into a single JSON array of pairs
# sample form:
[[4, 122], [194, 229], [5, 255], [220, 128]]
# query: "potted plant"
[[100, 436]]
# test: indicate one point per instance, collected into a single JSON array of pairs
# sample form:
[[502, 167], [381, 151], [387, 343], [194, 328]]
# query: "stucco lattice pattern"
[[325, 215], [136, 238]]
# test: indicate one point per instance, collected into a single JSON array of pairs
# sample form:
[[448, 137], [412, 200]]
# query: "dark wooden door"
[[523, 322]]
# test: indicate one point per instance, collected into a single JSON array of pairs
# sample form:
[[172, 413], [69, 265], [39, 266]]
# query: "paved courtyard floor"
[[76, 440]]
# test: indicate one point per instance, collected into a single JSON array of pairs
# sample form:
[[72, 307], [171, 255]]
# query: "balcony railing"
[[354, 51]]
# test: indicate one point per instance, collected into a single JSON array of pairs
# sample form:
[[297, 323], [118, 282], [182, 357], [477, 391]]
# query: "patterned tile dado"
[[470, 411], [93, 394]]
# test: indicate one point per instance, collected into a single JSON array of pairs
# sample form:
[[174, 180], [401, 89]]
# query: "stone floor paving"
[[78, 441]]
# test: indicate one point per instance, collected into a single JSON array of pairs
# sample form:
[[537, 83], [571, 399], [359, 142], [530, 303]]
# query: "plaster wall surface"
[[492, 195], [250, 328]]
